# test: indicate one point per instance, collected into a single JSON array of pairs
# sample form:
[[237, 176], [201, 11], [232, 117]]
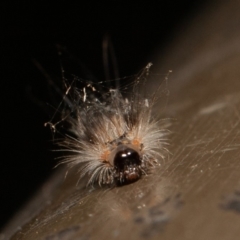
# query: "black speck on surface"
[[155, 218], [155, 211], [235, 205], [139, 220], [154, 228], [237, 193], [232, 203], [64, 234]]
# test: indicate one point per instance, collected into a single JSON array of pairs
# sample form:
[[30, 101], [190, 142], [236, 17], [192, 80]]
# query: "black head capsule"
[[127, 165]]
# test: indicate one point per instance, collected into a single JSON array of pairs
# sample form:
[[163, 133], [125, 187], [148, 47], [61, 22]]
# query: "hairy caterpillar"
[[114, 138]]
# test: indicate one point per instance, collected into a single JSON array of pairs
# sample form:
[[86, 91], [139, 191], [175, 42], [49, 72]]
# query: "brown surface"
[[196, 193]]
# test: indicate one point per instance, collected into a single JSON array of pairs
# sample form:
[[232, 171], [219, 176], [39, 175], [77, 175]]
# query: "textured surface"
[[196, 193]]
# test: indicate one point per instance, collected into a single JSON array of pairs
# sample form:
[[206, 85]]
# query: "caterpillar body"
[[114, 139]]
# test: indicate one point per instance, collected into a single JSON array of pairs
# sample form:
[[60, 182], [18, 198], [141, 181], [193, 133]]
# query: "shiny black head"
[[127, 165]]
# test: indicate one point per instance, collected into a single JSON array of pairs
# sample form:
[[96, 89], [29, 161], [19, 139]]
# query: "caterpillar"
[[113, 138]]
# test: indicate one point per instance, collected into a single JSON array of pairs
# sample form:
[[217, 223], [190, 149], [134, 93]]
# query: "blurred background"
[[31, 32]]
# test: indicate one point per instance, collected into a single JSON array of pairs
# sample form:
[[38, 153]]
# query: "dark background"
[[31, 31]]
